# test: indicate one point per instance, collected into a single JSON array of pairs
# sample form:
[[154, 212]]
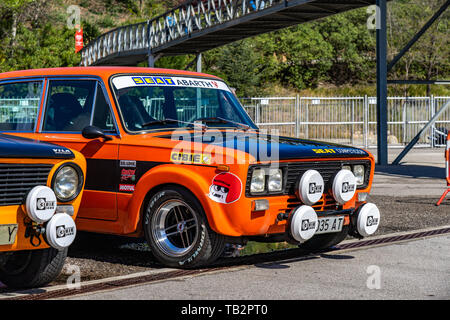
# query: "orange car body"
[[111, 204]]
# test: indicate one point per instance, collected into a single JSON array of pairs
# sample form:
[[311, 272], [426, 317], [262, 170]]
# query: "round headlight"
[[258, 181], [275, 182], [67, 182], [359, 171]]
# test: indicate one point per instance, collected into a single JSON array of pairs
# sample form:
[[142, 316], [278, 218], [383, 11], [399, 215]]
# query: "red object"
[[231, 183], [447, 169], [78, 40]]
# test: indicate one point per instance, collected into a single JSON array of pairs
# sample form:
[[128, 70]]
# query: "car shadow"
[[411, 171], [113, 249], [109, 249], [133, 252]]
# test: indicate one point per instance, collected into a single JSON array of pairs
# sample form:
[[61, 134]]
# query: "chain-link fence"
[[350, 120]]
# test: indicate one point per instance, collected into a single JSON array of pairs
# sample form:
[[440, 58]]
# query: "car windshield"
[[155, 102]]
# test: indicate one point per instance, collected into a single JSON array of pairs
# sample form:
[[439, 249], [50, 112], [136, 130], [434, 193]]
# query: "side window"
[[69, 105], [102, 112], [19, 105]]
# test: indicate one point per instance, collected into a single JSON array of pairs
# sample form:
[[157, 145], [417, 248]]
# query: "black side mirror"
[[91, 132]]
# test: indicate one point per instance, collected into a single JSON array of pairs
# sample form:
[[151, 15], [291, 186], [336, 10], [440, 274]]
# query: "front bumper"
[[305, 223], [14, 215]]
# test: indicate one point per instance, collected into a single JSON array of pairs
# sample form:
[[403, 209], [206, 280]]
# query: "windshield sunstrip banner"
[[138, 81]]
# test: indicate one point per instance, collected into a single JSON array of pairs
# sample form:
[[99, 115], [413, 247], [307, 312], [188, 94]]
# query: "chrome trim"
[[163, 239]]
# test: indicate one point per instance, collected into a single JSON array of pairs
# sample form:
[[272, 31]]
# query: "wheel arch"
[[165, 176]]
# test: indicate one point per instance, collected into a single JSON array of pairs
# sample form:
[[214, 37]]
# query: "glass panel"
[[69, 105], [103, 118], [19, 105], [145, 101]]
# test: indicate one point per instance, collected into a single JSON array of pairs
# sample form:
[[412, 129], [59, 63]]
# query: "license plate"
[[330, 224], [8, 233]]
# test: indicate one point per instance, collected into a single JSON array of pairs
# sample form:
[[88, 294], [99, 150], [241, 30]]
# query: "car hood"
[[18, 147], [273, 148]]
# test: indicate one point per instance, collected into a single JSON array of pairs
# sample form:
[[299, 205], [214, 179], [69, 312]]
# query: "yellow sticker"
[[190, 158], [324, 151], [149, 80], [138, 80]]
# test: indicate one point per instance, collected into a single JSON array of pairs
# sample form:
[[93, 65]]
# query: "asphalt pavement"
[[417, 269]]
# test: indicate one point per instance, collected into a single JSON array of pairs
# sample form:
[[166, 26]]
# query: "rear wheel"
[[32, 268], [324, 241], [177, 230]]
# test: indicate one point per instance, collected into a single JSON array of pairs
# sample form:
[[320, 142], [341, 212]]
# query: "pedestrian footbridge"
[[199, 25]]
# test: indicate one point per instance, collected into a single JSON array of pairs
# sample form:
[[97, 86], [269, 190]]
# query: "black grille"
[[292, 171], [17, 179]]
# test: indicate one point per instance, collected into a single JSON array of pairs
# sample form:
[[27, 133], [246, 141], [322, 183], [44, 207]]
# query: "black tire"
[[186, 246], [32, 268], [324, 241]]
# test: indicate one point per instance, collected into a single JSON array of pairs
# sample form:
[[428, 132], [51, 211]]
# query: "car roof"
[[103, 72]]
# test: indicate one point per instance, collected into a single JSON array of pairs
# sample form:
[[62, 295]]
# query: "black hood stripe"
[[18, 147]]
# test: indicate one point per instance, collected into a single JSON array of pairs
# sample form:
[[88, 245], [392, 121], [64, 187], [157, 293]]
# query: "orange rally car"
[[173, 156], [40, 193]]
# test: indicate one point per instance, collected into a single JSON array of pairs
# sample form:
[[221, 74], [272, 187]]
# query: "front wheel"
[[32, 268], [177, 230]]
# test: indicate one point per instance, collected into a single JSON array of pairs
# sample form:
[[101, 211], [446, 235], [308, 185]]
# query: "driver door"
[[71, 105]]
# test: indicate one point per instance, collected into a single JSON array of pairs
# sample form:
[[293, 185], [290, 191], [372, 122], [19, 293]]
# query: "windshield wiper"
[[168, 120], [222, 120]]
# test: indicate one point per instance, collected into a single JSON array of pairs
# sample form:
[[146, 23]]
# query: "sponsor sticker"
[[138, 80], [183, 157], [339, 150], [126, 187], [62, 151], [133, 81], [349, 151], [128, 163], [62, 231], [314, 188], [308, 225], [324, 151], [347, 187], [128, 175], [372, 221], [43, 204], [225, 188]]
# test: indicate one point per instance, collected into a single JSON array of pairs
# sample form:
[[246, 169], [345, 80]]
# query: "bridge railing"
[[186, 19], [119, 40]]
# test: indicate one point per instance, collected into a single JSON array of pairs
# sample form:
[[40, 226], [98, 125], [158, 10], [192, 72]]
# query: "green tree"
[[304, 55]]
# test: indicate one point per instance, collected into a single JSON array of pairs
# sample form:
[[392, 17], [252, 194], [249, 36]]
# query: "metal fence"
[[18, 110], [346, 120], [350, 120]]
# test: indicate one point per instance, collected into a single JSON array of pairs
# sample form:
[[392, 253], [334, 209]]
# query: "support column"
[[199, 62], [382, 147], [151, 60]]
